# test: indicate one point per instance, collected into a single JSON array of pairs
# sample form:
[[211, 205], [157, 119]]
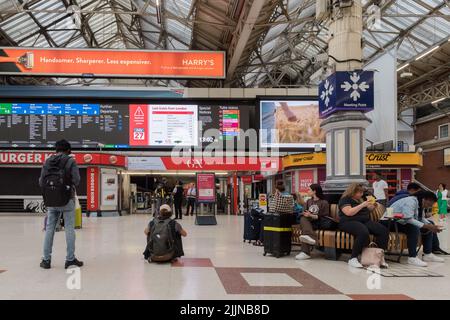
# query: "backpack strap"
[[67, 174]]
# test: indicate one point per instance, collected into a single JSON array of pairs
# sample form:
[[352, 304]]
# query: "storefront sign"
[[372, 159], [207, 164], [206, 187], [38, 158], [246, 179], [113, 63], [258, 177], [92, 188], [306, 179], [309, 159], [394, 159], [352, 91]]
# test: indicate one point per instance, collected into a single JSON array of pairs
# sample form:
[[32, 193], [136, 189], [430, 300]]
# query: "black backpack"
[[56, 185], [161, 244]]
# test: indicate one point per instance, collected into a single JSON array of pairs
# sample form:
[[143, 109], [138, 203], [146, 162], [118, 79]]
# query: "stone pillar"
[[345, 131]]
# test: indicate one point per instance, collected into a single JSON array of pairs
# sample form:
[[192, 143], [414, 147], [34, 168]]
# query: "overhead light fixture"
[[427, 53], [403, 67], [438, 100]]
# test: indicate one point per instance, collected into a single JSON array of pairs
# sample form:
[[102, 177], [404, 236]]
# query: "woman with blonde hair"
[[354, 218]]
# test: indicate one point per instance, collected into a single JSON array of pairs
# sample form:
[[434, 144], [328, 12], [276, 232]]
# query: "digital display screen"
[[116, 126], [223, 123], [163, 125], [40, 125], [290, 124]]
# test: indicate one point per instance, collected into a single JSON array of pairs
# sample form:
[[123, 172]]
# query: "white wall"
[[384, 117]]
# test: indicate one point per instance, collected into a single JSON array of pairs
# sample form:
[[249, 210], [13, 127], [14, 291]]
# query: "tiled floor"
[[218, 265]]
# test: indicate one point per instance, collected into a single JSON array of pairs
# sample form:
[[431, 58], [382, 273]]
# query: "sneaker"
[[74, 262], [440, 252], [46, 264], [354, 263], [417, 262], [432, 258], [302, 256], [308, 240]]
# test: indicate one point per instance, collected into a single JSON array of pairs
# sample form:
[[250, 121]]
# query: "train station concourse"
[[225, 157]]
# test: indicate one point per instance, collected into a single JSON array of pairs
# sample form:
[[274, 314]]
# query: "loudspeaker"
[[205, 220]]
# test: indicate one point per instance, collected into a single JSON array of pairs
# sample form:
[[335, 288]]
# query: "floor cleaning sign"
[[113, 63]]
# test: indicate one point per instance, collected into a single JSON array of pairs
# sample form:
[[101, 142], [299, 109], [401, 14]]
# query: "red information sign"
[[206, 187], [92, 188], [306, 178]]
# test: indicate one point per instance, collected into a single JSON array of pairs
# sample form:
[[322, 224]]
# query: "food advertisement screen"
[[290, 124]]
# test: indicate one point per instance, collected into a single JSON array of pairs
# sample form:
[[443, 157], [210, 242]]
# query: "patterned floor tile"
[[193, 262], [234, 282]]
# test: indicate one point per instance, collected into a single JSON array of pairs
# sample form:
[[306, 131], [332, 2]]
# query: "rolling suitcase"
[[278, 234], [252, 225]]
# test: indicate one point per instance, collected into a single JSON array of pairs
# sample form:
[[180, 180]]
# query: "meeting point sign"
[[112, 63]]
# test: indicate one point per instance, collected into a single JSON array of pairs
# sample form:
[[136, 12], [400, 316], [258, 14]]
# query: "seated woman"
[[354, 215], [316, 216], [166, 244]]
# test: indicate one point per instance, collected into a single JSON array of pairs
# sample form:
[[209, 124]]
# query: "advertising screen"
[[108, 63], [206, 187], [290, 124]]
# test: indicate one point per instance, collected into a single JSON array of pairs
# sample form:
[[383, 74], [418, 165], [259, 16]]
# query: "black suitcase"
[[252, 225], [278, 234]]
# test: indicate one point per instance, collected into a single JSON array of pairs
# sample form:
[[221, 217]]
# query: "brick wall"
[[433, 171], [429, 130]]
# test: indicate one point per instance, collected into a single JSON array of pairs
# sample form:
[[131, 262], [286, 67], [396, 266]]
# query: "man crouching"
[[164, 234]]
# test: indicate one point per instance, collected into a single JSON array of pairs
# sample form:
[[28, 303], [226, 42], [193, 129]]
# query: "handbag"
[[373, 256]]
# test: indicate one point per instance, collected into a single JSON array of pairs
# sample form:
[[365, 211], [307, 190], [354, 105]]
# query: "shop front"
[[99, 189], [396, 168]]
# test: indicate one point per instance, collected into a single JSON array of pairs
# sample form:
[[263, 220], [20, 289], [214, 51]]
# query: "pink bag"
[[373, 256]]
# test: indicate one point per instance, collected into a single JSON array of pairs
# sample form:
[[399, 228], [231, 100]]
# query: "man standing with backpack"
[[59, 177]]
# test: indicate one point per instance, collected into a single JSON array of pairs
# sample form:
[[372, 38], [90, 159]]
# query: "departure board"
[[83, 125], [117, 126], [228, 121]]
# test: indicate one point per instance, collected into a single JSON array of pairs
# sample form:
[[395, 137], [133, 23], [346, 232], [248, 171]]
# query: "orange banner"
[[113, 63]]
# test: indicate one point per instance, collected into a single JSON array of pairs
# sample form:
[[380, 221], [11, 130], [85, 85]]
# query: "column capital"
[[346, 120]]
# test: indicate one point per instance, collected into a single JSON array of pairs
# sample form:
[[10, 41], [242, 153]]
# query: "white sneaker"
[[308, 240], [417, 262], [354, 263], [302, 256], [432, 258]]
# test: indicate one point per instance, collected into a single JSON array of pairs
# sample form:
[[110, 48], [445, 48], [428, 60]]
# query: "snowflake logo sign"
[[327, 93], [355, 86]]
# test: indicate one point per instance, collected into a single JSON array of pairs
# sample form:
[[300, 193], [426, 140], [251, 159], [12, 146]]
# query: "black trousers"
[[190, 205], [178, 212], [361, 231]]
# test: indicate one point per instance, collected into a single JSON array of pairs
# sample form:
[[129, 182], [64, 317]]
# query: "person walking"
[[380, 190], [58, 180], [178, 199], [442, 195]]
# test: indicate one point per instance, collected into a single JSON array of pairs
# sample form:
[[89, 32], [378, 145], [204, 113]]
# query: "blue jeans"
[[53, 215], [412, 234]]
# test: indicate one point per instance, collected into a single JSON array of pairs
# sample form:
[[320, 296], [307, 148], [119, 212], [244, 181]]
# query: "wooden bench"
[[335, 242]]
